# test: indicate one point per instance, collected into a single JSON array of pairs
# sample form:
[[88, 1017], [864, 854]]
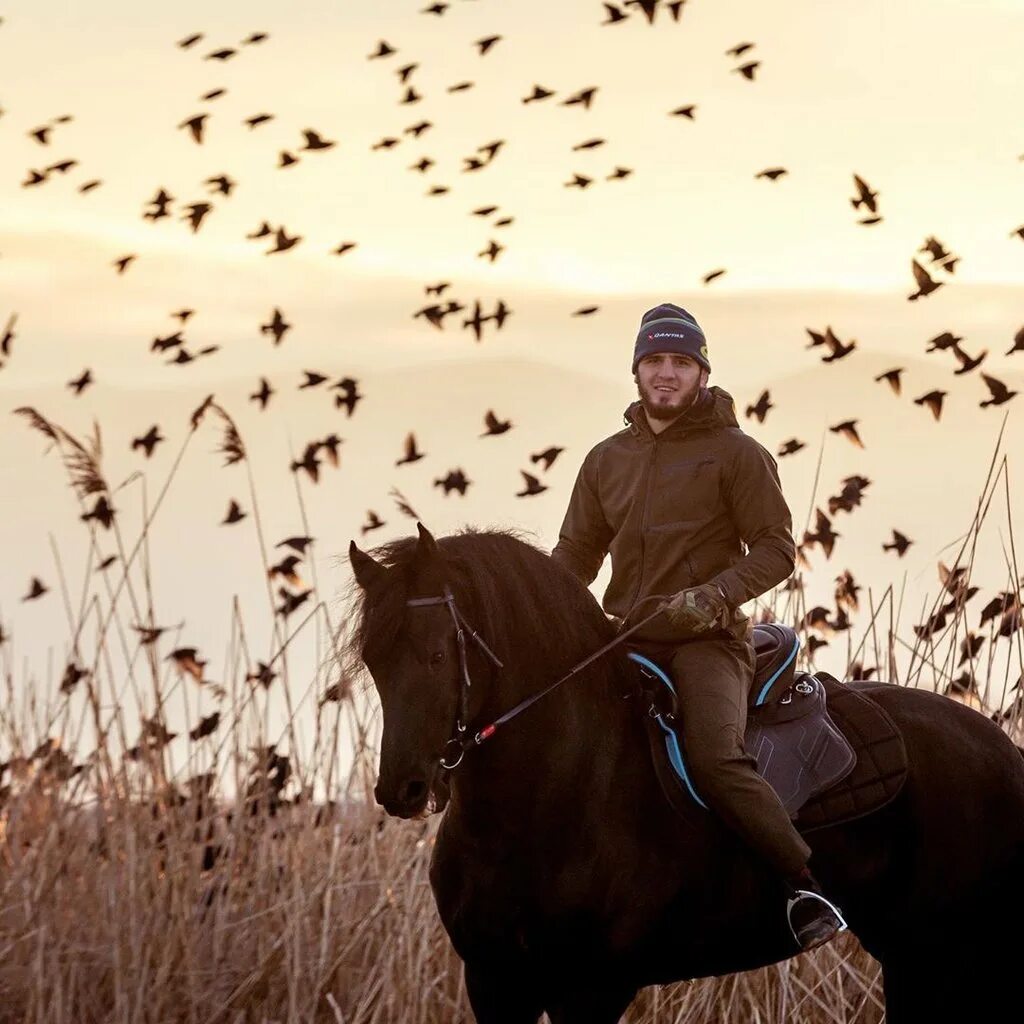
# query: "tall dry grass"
[[243, 883]]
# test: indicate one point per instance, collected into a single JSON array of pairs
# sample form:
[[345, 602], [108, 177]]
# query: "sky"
[[920, 98]]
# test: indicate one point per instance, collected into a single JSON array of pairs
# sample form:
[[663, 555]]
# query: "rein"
[[462, 742]]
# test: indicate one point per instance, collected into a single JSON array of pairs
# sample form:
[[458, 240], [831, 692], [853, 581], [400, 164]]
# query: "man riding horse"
[[674, 498]]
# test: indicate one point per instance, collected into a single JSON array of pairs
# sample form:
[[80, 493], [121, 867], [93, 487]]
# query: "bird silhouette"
[[196, 126], [760, 407], [925, 283], [349, 396], [772, 173], [547, 456], [196, 214], [257, 119], [892, 377], [312, 379], [848, 428], [532, 485], [234, 514], [494, 425], [160, 203], [286, 569], [283, 242], [186, 660], [967, 363], [315, 141], [263, 394], [373, 522], [298, 544], [277, 326], [585, 311], [615, 16], [36, 589], [865, 196], [790, 447], [149, 440], [539, 93], [899, 543], [583, 98], [747, 70], [942, 341], [933, 399], [487, 43], [412, 454], [455, 480], [80, 383], [999, 392], [222, 184], [8, 337], [330, 445], [207, 726], [309, 462], [124, 262], [713, 275]]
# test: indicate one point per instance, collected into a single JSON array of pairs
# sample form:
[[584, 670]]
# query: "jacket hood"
[[712, 408]]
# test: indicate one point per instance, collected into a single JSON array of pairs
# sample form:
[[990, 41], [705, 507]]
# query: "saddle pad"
[[881, 768], [875, 778]]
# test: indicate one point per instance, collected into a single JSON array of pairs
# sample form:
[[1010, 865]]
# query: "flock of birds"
[[1003, 611]]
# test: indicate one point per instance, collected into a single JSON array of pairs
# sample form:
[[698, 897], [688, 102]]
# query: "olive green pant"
[[713, 677]]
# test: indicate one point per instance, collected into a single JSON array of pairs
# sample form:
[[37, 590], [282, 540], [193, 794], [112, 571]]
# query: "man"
[[674, 497]]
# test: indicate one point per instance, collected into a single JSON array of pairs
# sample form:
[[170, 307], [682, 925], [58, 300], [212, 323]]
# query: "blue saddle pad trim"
[[675, 755], [775, 675]]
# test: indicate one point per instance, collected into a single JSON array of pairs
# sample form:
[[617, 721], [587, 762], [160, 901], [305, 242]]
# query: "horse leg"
[[499, 996], [595, 1003]]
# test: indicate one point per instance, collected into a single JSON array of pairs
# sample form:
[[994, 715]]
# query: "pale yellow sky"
[[915, 96]]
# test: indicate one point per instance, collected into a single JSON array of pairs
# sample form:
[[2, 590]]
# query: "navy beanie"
[[670, 328]]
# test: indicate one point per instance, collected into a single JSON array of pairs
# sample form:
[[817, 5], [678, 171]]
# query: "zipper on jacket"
[[643, 526]]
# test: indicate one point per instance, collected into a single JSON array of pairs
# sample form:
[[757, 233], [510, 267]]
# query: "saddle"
[[829, 751]]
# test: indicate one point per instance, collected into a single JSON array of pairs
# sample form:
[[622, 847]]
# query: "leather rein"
[[461, 739]]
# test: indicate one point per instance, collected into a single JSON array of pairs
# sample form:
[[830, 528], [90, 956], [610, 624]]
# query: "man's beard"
[[667, 406]]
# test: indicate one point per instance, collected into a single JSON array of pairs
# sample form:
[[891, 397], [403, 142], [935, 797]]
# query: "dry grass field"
[[238, 881]]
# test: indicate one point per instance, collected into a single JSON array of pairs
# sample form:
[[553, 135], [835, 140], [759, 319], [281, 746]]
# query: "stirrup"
[[800, 893]]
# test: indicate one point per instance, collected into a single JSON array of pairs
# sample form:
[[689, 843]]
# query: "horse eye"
[[437, 657]]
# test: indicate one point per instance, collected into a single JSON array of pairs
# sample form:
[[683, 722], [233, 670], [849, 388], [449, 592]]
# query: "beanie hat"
[[670, 328]]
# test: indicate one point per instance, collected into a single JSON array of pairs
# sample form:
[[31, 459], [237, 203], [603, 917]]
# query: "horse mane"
[[522, 602]]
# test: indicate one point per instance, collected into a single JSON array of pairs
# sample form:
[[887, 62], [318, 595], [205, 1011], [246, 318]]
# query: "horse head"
[[411, 652]]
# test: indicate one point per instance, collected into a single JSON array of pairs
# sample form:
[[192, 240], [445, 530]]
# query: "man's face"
[[667, 383]]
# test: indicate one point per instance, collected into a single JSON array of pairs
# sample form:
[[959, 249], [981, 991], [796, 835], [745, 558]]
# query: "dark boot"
[[813, 919]]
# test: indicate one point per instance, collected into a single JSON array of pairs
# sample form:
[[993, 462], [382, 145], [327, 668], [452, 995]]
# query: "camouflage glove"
[[698, 609]]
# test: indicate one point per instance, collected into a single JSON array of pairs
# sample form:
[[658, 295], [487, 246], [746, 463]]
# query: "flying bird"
[[997, 389], [925, 283], [933, 399], [412, 453], [848, 428], [899, 543], [494, 425], [547, 456], [532, 485], [892, 377], [234, 514], [196, 126], [148, 441], [277, 326], [760, 407]]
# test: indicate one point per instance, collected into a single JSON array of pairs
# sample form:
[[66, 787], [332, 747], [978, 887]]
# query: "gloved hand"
[[698, 609]]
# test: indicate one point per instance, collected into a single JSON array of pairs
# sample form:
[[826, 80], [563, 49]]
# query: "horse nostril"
[[413, 791]]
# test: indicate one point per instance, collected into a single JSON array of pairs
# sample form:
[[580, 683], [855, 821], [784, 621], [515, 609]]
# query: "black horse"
[[563, 879]]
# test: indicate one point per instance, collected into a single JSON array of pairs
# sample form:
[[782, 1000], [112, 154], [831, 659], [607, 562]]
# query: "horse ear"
[[366, 568], [427, 549]]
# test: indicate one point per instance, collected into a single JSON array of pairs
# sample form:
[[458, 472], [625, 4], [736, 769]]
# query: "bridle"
[[461, 740]]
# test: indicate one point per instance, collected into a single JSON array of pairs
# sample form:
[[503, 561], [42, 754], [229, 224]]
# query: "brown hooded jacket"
[[675, 510]]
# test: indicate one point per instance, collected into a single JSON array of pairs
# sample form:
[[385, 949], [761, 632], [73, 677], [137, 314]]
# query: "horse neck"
[[559, 747]]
